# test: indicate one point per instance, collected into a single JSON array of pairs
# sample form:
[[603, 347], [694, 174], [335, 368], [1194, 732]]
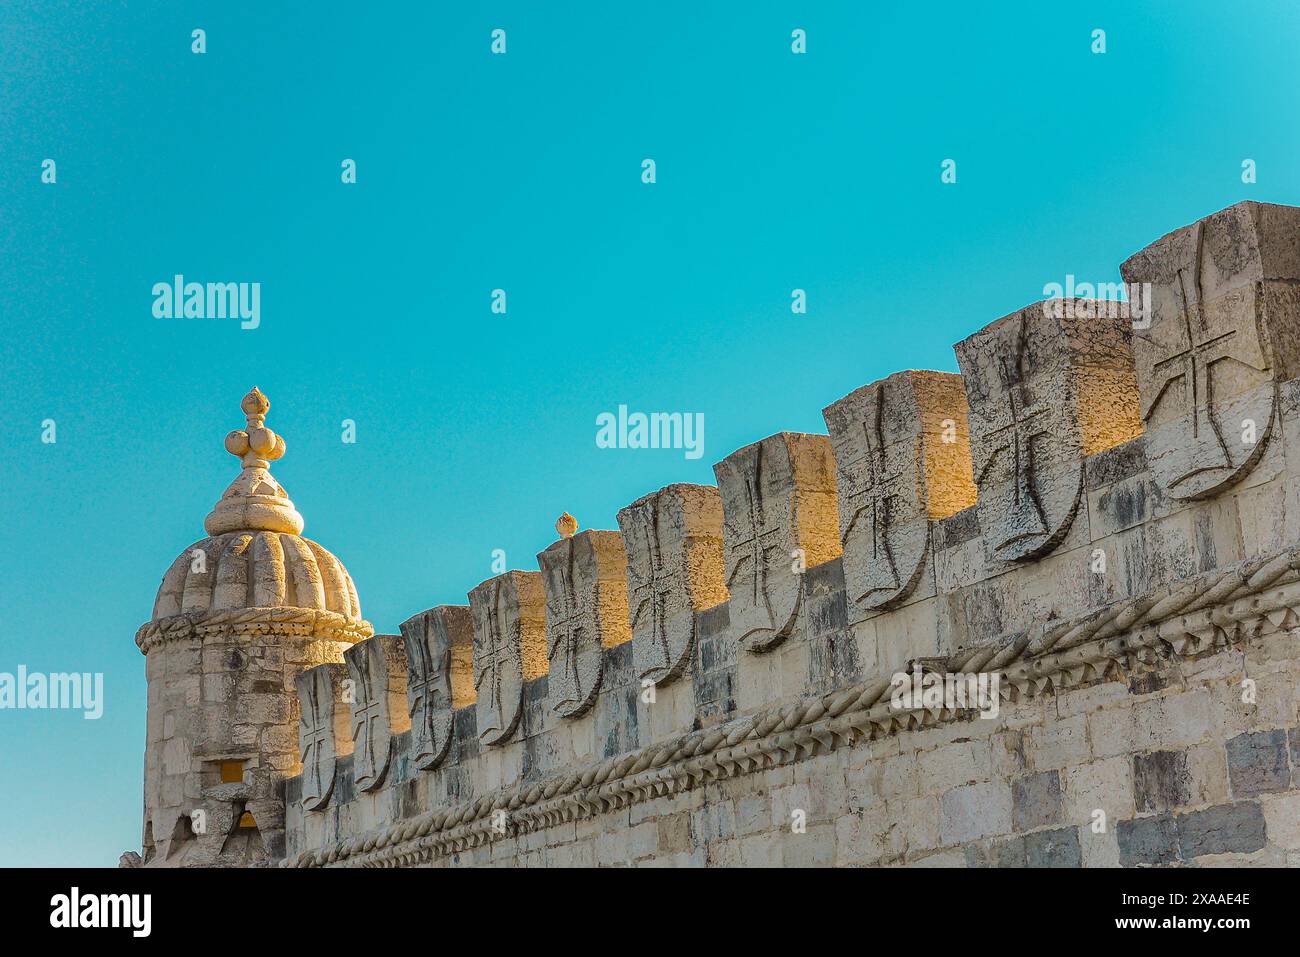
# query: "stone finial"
[[254, 501], [566, 525], [902, 457], [509, 648], [440, 678], [377, 668], [1223, 308], [779, 508], [1046, 387], [585, 578], [675, 569], [324, 733]]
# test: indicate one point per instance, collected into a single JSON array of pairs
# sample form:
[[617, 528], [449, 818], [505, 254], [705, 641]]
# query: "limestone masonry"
[[1100, 515]]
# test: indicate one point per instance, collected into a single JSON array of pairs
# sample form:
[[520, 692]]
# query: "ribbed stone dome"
[[255, 573], [256, 569]]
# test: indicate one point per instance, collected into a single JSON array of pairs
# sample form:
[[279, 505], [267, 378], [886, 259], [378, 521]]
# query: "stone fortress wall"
[[1100, 510]]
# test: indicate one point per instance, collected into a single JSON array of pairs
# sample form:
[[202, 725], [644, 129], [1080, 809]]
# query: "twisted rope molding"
[[1193, 616], [303, 622]]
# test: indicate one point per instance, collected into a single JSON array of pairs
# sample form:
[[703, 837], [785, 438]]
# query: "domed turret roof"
[[255, 573]]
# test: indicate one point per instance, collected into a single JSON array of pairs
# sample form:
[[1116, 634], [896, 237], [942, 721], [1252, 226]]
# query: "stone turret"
[[240, 614]]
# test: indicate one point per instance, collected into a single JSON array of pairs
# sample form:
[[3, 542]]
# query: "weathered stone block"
[[1161, 780], [1257, 762], [1226, 829], [1055, 848], [975, 811], [1282, 819], [1147, 840], [1036, 801]]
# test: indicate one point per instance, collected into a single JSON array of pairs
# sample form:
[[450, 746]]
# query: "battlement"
[[1099, 510]]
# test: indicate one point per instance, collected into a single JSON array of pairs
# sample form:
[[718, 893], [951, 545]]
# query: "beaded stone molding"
[[304, 622]]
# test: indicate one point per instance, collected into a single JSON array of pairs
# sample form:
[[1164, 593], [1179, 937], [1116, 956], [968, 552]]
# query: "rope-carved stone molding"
[[1190, 617], [304, 622]]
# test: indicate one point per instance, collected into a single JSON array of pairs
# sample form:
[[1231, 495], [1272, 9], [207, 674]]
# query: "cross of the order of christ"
[[1192, 362], [757, 542], [365, 715], [1015, 441], [565, 614], [651, 591], [491, 654], [874, 496], [427, 691], [316, 734]]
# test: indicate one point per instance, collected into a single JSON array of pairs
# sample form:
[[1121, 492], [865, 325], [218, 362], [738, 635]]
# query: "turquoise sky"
[[521, 172]]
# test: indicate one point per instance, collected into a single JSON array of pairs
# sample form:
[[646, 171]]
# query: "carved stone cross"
[[779, 507], [902, 459], [675, 568], [509, 648], [322, 731], [377, 668], [1046, 388], [586, 612], [434, 638], [1225, 331]]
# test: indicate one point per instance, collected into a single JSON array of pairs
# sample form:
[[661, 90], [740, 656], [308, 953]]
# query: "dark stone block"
[[399, 766], [1257, 763], [1161, 780], [713, 622], [1036, 801], [1147, 840], [408, 800], [1116, 464], [345, 785], [956, 529], [1294, 734], [1148, 682], [832, 652], [457, 784], [1055, 848], [824, 592], [616, 668], [1226, 829], [1005, 852], [464, 737], [616, 721]]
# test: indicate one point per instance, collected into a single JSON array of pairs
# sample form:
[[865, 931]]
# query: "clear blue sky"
[[522, 172]]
